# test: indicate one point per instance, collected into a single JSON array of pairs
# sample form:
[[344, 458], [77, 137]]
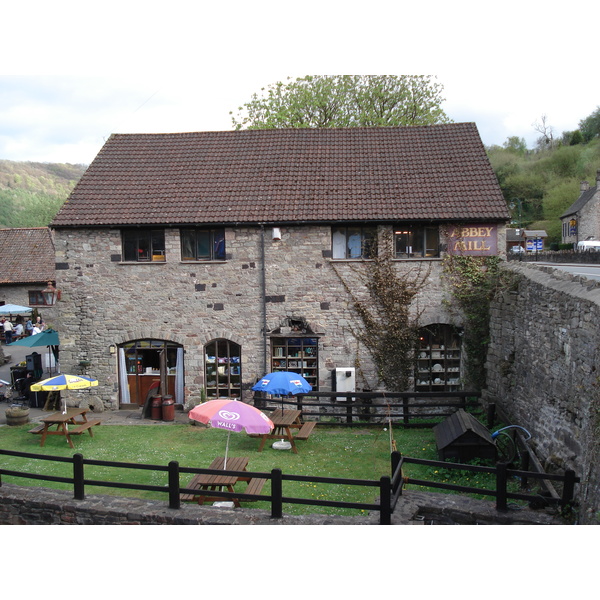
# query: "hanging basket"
[[17, 415]]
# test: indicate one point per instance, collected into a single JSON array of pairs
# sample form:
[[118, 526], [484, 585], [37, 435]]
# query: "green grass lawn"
[[356, 453]]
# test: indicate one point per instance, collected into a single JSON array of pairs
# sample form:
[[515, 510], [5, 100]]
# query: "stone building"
[[201, 261], [26, 269], [581, 221]]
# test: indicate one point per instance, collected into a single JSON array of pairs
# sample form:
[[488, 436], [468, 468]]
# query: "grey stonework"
[[21, 505], [106, 302], [542, 370]]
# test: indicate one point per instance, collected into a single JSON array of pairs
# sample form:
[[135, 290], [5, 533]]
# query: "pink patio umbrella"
[[231, 415]]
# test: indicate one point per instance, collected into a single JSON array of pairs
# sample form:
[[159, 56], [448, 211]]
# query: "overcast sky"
[[70, 76]]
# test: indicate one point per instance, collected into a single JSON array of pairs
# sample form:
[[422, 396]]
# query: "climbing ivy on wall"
[[387, 322], [474, 281]]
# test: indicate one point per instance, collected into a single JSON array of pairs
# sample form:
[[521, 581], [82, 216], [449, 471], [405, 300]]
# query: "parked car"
[[588, 245]]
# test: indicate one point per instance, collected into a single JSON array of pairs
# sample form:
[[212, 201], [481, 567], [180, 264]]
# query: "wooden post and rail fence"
[[388, 488]]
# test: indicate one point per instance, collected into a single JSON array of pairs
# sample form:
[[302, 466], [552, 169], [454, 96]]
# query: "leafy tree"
[[345, 101], [515, 144], [590, 126]]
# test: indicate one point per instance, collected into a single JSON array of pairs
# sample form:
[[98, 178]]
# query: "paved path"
[[112, 417]]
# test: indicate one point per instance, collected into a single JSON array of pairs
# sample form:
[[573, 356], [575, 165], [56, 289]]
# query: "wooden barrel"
[[17, 415]]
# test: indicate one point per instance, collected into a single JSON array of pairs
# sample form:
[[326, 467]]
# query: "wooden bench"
[[194, 484], [255, 485], [305, 431], [37, 429], [87, 426]]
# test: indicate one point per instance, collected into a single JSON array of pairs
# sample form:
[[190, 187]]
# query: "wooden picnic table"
[[212, 481], [285, 421], [72, 417]]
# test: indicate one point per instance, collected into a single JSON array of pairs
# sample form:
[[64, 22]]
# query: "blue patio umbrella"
[[282, 383], [14, 309]]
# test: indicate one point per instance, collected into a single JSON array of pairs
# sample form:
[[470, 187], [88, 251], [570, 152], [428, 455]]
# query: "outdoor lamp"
[[112, 349], [276, 234], [50, 294]]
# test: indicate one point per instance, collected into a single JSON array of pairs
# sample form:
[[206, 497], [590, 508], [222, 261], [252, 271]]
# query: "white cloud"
[[77, 76]]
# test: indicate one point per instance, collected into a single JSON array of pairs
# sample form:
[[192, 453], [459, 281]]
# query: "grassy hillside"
[[544, 183], [31, 193]]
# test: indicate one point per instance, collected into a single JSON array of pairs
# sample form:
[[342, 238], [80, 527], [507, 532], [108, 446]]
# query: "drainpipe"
[[264, 295]]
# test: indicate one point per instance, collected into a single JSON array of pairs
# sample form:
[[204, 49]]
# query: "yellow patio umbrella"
[[64, 382]]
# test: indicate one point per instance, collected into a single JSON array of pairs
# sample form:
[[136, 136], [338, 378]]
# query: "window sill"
[[202, 262], [143, 262], [431, 258]]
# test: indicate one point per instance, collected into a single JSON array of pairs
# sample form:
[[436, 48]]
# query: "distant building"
[[513, 238], [581, 221], [26, 266], [534, 239]]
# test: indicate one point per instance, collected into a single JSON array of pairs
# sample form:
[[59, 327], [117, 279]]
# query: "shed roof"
[[456, 426], [438, 172], [26, 255]]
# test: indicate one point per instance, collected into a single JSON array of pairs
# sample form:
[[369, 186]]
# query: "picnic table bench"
[[62, 421], [202, 482], [285, 421]]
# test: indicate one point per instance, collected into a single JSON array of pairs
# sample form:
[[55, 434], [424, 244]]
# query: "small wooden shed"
[[462, 437]]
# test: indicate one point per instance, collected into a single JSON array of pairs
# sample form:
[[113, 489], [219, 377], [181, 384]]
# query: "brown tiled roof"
[[26, 256], [288, 175]]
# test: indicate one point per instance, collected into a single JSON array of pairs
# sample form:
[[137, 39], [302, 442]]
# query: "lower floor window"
[[223, 369], [298, 355]]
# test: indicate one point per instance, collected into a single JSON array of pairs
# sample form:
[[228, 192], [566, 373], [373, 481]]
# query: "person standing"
[[29, 327], [8, 331]]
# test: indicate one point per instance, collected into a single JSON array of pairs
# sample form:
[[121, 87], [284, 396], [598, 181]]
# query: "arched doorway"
[[223, 369], [150, 366], [439, 360]]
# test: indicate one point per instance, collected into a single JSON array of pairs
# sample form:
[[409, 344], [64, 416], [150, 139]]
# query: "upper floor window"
[[354, 242], [36, 298], [202, 244], [416, 241], [141, 245]]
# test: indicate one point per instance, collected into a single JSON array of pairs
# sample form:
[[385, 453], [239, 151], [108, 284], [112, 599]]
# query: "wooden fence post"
[[174, 496], [276, 494], [405, 411], [568, 487], [396, 483], [385, 501], [78, 485], [501, 480]]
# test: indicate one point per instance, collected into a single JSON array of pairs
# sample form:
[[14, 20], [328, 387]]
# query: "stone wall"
[[106, 302], [542, 371], [41, 506]]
